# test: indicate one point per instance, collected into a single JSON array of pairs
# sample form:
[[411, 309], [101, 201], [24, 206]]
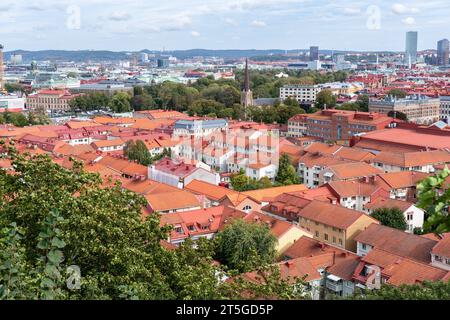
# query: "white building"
[[414, 216], [304, 94], [11, 103], [444, 112]]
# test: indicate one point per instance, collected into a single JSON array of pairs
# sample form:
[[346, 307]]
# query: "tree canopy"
[[244, 246], [434, 198], [391, 217], [287, 174], [55, 221]]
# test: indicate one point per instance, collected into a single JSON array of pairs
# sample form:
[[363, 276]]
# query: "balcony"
[[334, 286]]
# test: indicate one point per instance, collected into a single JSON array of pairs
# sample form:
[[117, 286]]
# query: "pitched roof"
[[331, 215], [443, 246], [413, 159], [277, 227], [270, 193], [193, 223], [172, 200], [380, 202], [403, 179], [353, 170], [352, 188], [211, 191], [400, 270], [397, 242]]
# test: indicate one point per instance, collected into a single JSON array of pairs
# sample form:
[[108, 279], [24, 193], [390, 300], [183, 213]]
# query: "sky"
[[132, 25]]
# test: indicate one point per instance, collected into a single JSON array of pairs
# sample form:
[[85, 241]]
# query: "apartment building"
[[342, 125], [304, 94], [418, 109], [333, 224], [50, 100], [444, 112], [424, 161], [297, 126]]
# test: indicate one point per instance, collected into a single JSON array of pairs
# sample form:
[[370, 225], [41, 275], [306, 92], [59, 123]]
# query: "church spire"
[[246, 95], [247, 77]]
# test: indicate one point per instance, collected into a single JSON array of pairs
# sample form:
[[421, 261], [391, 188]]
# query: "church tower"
[[247, 95]]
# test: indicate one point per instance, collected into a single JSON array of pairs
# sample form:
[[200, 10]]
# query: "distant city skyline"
[[132, 25]]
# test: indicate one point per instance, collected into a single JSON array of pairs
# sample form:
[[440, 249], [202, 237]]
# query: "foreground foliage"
[[55, 221]]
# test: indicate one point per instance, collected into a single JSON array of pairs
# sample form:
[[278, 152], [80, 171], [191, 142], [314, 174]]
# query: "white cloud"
[[195, 34], [119, 16], [231, 22], [351, 11], [258, 24], [399, 8], [409, 21]]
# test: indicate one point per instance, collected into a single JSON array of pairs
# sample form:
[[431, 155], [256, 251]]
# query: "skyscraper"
[[313, 53], [443, 50], [411, 47]]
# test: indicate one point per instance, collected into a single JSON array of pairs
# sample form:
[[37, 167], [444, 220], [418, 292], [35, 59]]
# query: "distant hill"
[[96, 56]]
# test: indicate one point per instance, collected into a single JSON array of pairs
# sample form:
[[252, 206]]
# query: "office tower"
[[1, 68], [313, 53], [443, 52], [411, 47]]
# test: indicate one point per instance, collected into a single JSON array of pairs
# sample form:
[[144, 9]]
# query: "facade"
[[180, 174], [411, 47], [341, 125], [50, 100], [12, 103], [444, 112], [297, 126], [313, 53], [198, 128], [424, 161], [443, 48], [418, 109], [440, 254], [304, 94], [333, 224]]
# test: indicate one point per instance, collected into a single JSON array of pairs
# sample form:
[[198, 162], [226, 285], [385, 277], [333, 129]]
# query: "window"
[[247, 208], [364, 246], [409, 216], [334, 239], [326, 236], [317, 234], [340, 242]]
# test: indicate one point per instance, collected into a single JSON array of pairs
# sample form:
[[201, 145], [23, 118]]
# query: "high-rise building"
[[1, 68], [313, 53], [411, 47], [443, 50]]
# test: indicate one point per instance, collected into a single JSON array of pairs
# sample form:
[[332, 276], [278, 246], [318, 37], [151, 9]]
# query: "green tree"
[[425, 291], [325, 98], [142, 102], [363, 102], [397, 93], [287, 174], [137, 151], [391, 217], [120, 102], [398, 115], [239, 181], [52, 218], [244, 246], [13, 87], [434, 198]]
